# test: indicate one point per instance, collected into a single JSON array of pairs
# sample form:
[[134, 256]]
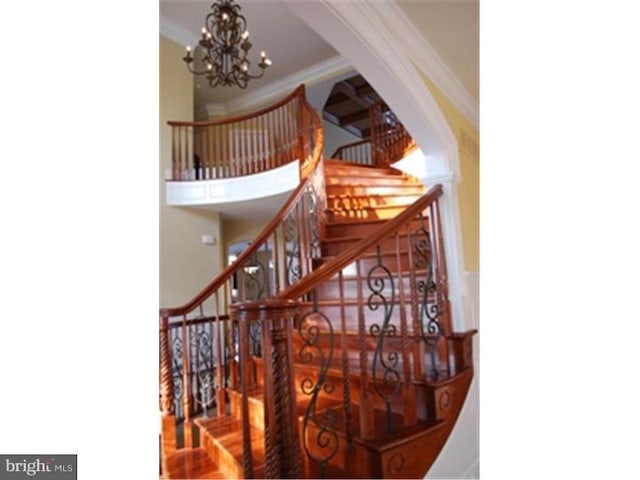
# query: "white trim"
[[177, 33], [231, 190], [472, 300], [427, 59], [313, 74]]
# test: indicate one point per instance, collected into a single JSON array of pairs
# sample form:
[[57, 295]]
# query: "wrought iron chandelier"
[[224, 46]]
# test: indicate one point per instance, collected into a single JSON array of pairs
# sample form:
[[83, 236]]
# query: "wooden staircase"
[[376, 393]]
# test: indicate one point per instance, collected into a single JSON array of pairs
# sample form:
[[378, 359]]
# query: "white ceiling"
[[450, 26]]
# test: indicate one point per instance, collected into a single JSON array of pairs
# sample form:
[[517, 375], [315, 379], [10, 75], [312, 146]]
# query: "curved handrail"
[[236, 146], [307, 169], [326, 271], [356, 152]]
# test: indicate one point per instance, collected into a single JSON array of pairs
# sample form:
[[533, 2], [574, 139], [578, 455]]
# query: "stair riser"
[[386, 180], [387, 260], [364, 214], [256, 407], [338, 247], [374, 190], [349, 229], [349, 202], [379, 403], [330, 290], [221, 457], [333, 313], [339, 168]]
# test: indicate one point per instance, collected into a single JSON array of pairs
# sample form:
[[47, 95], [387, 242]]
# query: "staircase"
[[340, 356]]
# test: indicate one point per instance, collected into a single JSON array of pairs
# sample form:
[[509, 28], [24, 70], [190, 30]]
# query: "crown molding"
[[175, 32], [313, 74], [427, 59]]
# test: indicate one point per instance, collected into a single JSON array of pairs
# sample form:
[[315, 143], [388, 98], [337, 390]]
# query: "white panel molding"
[[427, 59], [229, 190]]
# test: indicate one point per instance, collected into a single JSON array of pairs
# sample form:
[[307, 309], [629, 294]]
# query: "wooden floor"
[[192, 463]]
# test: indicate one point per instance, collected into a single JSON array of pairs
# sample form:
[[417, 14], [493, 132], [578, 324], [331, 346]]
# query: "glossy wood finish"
[[192, 464], [369, 228], [242, 145], [390, 140]]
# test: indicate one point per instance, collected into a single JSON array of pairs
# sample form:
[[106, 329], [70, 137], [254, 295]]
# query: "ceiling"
[[348, 105], [450, 26]]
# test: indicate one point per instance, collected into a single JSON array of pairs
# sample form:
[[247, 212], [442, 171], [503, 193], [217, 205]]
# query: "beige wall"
[[469, 189], [236, 232], [186, 265]]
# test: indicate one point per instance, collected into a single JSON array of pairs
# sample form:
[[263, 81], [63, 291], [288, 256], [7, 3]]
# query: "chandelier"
[[224, 46]]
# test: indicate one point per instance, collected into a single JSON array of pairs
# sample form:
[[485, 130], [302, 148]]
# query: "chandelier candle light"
[[224, 45]]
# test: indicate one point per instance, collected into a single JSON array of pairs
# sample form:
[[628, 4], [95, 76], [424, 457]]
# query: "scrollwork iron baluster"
[[255, 277], [326, 438], [430, 328], [292, 249], [203, 365], [176, 355], [389, 385]]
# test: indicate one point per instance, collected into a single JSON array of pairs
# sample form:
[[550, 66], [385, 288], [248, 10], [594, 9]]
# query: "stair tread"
[[191, 463], [227, 432]]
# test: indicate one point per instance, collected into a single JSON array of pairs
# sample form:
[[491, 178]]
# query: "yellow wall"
[[186, 265], [469, 189]]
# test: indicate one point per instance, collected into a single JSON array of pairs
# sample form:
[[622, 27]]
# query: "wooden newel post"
[[168, 425], [166, 381], [282, 446]]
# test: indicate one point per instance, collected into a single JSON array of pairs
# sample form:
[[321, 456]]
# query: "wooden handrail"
[[247, 144], [326, 271], [278, 218], [337, 153]]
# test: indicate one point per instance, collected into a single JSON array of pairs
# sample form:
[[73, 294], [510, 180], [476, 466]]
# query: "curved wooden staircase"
[[344, 364]]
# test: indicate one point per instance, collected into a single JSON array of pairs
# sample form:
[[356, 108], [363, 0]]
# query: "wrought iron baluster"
[[292, 249], [389, 384], [255, 277], [326, 439], [430, 328]]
